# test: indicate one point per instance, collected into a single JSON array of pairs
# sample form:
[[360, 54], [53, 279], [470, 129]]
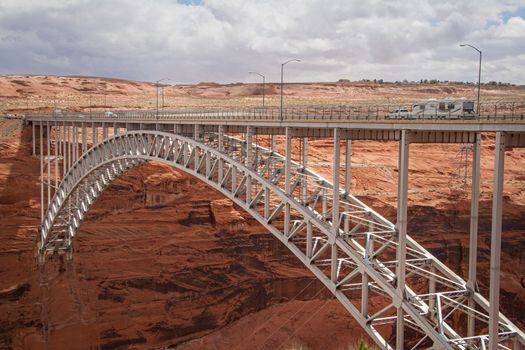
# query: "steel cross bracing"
[[382, 277]]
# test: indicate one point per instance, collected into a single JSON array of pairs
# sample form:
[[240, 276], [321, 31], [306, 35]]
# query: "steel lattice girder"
[[309, 235]]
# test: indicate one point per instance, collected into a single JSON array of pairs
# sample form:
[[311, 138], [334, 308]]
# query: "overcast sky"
[[191, 41]]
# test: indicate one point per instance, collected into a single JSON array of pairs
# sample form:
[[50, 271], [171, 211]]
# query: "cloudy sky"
[[191, 41]]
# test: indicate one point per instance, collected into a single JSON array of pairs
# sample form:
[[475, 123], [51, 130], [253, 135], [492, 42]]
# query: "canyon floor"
[[163, 261]]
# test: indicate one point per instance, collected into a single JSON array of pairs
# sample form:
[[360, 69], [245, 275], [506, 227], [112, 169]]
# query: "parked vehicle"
[[448, 108], [399, 113]]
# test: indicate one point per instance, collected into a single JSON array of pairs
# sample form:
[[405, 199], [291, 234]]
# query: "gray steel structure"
[[384, 278]]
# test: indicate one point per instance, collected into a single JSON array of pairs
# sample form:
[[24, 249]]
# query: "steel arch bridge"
[[386, 280]]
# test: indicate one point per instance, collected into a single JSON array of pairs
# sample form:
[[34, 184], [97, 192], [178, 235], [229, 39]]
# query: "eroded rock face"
[[162, 259]]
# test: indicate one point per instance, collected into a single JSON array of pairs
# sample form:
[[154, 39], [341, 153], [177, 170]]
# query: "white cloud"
[[223, 40]]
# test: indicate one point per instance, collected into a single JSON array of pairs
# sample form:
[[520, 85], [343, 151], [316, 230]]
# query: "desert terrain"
[[163, 261], [46, 93]]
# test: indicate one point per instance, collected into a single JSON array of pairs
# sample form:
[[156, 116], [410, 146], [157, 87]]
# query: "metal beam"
[[57, 149], [473, 243], [336, 167], [41, 131], [287, 178], [348, 163], [495, 245], [84, 139], [348, 181], [75, 142], [402, 200], [33, 139], [305, 166], [48, 143], [64, 150], [248, 161], [221, 149]]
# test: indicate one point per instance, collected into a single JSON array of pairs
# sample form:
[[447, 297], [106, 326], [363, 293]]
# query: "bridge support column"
[[432, 290], [273, 143], [70, 146], [348, 163], [287, 178], [248, 162], [64, 150], [266, 202], [221, 149], [234, 179], [324, 204], [75, 143], [197, 132], [473, 243], [369, 248], [495, 244], [84, 139], [48, 143], [57, 151], [348, 184], [309, 239], [336, 169], [402, 201], [41, 132], [197, 135], [116, 130], [305, 165], [94, 134], [34, 142]]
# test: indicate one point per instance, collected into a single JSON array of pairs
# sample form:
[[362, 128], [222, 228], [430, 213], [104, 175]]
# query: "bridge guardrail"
[[488, 111]]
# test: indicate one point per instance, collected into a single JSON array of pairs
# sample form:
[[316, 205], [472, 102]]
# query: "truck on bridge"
[[448, 108]]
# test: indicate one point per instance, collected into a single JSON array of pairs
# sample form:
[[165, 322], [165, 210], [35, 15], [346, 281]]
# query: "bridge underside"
[[386, 280]]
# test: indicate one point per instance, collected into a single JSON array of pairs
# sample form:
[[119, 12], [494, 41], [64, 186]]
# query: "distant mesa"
[[208, 83]]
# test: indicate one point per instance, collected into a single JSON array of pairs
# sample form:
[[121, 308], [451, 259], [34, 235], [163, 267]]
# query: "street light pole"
[[282, 69], [264, 82], [479, 72], [157, 86]]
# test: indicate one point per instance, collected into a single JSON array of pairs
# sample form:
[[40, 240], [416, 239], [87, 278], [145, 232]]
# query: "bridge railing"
[[488, 111]]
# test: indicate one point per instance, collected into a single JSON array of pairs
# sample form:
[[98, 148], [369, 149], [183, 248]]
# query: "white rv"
[[448, 108]]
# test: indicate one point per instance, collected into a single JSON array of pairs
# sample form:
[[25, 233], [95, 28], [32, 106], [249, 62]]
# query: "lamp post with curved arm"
[[157, 86], [264, 82], [479, 72], [282, 68]]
